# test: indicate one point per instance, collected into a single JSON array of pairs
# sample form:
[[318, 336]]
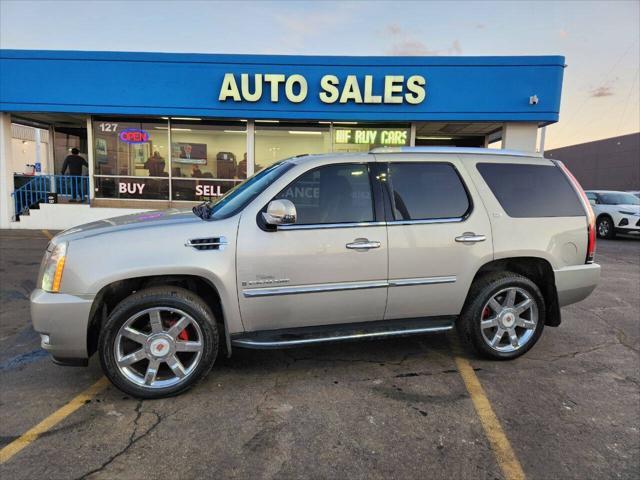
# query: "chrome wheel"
[[158, 347], [603, 227], [509, 319]]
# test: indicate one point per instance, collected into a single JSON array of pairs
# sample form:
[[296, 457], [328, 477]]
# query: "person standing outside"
[[74, 164]]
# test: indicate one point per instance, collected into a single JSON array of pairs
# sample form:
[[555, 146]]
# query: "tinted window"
[[332, 194], [427, 191], [531, 190], [619, 199]]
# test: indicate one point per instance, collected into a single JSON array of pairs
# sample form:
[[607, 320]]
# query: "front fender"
[[96, 262]]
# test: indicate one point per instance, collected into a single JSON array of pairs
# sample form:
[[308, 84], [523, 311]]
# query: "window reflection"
[[209, 150], [275, 142]]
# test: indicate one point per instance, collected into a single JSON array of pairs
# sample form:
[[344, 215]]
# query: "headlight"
[[53, 267]]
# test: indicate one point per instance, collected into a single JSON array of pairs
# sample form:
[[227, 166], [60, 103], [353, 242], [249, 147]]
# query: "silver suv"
[[323, 248]]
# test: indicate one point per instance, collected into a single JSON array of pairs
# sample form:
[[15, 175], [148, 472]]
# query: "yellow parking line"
[[47, 234], [500, 445], [51, 421]]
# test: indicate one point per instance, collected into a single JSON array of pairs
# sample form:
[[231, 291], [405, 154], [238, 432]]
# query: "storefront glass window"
[[207, 158], [131, 158], [362, 138], [277, 141]]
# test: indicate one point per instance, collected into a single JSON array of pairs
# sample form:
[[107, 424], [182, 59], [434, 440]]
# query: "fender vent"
[[213, 243]]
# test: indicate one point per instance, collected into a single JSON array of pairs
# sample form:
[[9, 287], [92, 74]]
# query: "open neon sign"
[[133, 135]]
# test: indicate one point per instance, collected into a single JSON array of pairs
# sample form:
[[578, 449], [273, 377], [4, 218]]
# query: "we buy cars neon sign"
[[133, 135]]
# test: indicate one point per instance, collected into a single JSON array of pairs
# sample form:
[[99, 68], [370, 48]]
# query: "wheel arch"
[[604, 214], [539, 271], [113, 293]]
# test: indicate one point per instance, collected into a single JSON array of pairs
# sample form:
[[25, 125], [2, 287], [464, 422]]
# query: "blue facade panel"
[[457, 88]]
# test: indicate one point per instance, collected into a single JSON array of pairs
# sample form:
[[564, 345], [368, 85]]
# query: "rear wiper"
[[204, 210]]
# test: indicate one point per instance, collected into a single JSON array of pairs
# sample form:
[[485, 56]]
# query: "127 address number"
[[109, 127]]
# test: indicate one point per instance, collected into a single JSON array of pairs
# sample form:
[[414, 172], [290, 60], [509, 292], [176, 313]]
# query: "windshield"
[[619, 199], [240, 196]]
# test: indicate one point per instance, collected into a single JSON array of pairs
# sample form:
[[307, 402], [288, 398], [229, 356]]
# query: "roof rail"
[[456, 150]]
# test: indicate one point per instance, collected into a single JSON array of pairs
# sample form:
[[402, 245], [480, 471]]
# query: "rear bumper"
[[62, 320], [576, 283]]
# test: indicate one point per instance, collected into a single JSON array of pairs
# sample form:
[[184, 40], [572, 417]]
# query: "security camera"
[[533, 100]]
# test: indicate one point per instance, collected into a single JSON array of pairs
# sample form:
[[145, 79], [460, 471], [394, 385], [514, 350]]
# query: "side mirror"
[[280, 212], [592, 201]]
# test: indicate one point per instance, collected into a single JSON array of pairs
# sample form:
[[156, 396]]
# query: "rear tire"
[[158, 342], [503, 317], [605, 227]]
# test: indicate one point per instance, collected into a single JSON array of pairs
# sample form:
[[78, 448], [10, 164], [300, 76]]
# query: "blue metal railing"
[[37, 189]]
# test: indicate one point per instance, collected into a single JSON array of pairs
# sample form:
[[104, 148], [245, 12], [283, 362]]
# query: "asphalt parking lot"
[[570, 408]]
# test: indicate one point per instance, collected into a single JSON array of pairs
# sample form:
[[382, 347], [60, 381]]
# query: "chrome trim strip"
[[324, 287], [456, 150], [391, 333], [337, 287], [403, 282], [427, 221], [331, 225]]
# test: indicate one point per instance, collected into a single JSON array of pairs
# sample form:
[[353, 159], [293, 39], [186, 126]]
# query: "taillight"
[[591, 218]]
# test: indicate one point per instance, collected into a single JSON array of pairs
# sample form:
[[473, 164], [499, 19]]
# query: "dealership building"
[[161, 130]]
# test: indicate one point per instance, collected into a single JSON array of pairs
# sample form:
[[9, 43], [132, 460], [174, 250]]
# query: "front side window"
[[332, 194], [427, 191]]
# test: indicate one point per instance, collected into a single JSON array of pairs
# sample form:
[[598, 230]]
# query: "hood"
[[628, 207], [129, 222]]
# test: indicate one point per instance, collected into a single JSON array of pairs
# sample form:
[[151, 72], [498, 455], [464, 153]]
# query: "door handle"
[[363, 244], [470, 237]]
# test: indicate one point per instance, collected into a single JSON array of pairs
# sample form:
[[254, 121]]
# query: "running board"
[[294, 337]]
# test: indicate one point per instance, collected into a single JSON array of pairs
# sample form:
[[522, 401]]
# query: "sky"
[[600, 39]]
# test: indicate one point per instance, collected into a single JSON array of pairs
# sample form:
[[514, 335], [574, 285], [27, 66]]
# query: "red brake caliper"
[[183, 335], [485, 313]]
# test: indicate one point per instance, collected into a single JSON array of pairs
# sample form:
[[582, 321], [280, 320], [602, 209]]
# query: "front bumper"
[[62, 322], [629, 224], [576, 283]]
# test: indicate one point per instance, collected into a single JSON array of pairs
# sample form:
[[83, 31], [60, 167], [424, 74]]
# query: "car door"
[[439, 235], [329, 267]]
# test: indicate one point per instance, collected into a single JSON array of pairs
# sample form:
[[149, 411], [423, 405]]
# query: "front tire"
[[158, 342], [605, 228], [503, 317]]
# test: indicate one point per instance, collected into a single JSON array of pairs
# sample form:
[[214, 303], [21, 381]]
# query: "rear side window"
[[426, 191], [526, 191]]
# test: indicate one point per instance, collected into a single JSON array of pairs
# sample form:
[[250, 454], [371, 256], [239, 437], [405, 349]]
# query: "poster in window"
[[193, 153], [101, 150], [139, 153]]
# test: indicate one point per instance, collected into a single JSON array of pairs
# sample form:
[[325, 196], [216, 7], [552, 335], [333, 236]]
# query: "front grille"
[[212, 243]]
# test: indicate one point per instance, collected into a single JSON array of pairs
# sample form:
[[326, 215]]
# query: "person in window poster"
[[186, 151]]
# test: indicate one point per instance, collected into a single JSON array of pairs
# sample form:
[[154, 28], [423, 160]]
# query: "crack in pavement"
[[620, 336], [132, 438]]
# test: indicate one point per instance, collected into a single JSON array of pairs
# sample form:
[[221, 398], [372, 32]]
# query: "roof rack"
[[456, 150]]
